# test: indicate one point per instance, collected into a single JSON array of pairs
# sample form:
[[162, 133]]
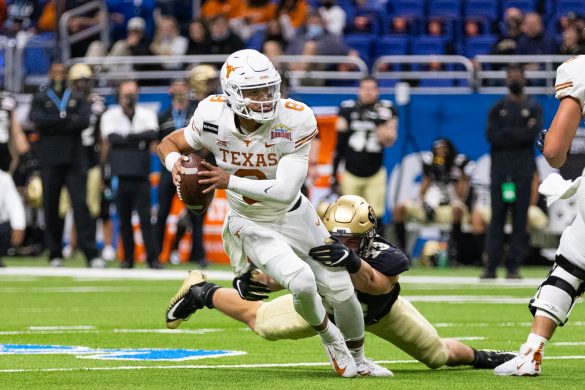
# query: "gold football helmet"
[[352, 219], [80, 71], [201, 79]]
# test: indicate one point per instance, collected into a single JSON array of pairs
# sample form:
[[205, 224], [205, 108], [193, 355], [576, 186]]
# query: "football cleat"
[[368, 368], [526, 363], [339, 356], [192, 295], [489, 358]]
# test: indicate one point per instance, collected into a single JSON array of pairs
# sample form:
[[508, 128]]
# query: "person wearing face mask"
[[174, 118], [513, 125], [59, 116], [333, 15], [129, 130]]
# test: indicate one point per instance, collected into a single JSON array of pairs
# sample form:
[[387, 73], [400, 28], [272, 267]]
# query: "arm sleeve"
[[290, 175], [571, 81]]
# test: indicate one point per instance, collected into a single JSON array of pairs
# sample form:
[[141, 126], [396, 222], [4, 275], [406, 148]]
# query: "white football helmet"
[[251, 84]]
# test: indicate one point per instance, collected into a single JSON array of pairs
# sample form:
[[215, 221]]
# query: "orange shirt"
[[299, 14], [229, 8], [259, 14]]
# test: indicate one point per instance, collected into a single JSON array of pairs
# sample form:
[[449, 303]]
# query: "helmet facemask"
[[256, 102], [363, 241]]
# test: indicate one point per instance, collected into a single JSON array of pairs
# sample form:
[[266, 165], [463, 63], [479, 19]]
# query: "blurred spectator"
[[135, 44], [365, 127], [276, 31], [471, 28], [199, 42], [272, 49], [182, 10], [572, 43], [507, 43], [333, 15], [442, 194], [512, 127], [320, 40], [130, 129], [223, 39], [228, 8], [22, 15], [121, 11], [12, 218], [258, 11], [79, 23], [533, 39], [60, 116], [3, 12], [295, 11], [168, 42]]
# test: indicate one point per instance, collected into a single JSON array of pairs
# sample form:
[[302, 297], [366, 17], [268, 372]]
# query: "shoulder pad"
[[211, 108], [299, 119], [348, 103]]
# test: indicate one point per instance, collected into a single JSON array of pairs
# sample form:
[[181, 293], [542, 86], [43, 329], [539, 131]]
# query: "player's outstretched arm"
[[557, 142]]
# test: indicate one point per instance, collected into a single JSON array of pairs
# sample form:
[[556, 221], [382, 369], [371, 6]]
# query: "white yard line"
[[147, 274], [227, 366], [84, 330]]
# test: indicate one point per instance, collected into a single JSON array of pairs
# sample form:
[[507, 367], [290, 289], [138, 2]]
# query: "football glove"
[[250, 289], [336, 254], [540, 139]]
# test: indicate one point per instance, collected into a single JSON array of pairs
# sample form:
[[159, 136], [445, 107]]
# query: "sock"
[[209, 294], [535, 341], [330, 334], [357, 353], [400, 231], [480, 245]]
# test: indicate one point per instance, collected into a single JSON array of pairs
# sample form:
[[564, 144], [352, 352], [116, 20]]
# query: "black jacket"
[[59, 138]]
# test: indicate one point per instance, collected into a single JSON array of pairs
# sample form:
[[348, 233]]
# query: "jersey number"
[[255, 173], [365, 141], [217, 99]]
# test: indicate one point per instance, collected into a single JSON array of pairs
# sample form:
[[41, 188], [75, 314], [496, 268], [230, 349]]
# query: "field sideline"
[[81, 328]]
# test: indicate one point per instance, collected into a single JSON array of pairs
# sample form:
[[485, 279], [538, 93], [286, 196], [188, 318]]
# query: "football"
[[189, 189]]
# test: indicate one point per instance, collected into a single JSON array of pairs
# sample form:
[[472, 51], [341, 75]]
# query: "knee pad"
[[557, 294], [303, 282]]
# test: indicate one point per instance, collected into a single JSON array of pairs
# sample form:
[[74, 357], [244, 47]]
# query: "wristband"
[[171, 159]]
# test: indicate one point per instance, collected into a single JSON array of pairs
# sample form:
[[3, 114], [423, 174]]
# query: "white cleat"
[[340, 358], [368, 368], [526, 363], [97, 262]]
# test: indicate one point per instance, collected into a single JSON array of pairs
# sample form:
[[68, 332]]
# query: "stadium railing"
[[428, 74], [7, 57], [102, 29]]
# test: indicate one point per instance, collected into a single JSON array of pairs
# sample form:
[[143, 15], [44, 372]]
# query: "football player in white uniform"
[[261, 144], [374, 266], [554, 300]]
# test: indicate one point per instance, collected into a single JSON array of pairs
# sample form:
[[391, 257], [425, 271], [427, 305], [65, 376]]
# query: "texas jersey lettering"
[[252, 155]]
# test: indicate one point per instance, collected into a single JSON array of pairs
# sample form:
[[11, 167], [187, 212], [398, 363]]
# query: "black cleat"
[[489, 358], [192, 296]]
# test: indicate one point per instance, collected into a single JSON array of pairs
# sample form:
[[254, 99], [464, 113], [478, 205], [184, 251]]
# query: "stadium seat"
[[481, 44], [486, 8], [445, 8], [523, 5], [428, 45], [392, 45], [361, 43], [565, 6], [256, 39], [414, 8]]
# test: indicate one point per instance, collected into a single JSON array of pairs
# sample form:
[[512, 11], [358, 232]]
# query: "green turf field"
[[111, 314]]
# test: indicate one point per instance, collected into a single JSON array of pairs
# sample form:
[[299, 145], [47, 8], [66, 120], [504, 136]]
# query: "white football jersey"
[[252, 155], [571, 80]]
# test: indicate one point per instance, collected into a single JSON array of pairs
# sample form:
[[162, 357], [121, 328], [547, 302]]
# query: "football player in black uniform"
[[374, 266], [442, 193], [364, 128]]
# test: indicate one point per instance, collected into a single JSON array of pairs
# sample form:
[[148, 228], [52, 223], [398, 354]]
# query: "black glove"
[[429, 211], [336, 255], [249, 289], [540, 139]]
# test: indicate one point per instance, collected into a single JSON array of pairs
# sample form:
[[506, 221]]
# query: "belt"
[[297, 204]]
